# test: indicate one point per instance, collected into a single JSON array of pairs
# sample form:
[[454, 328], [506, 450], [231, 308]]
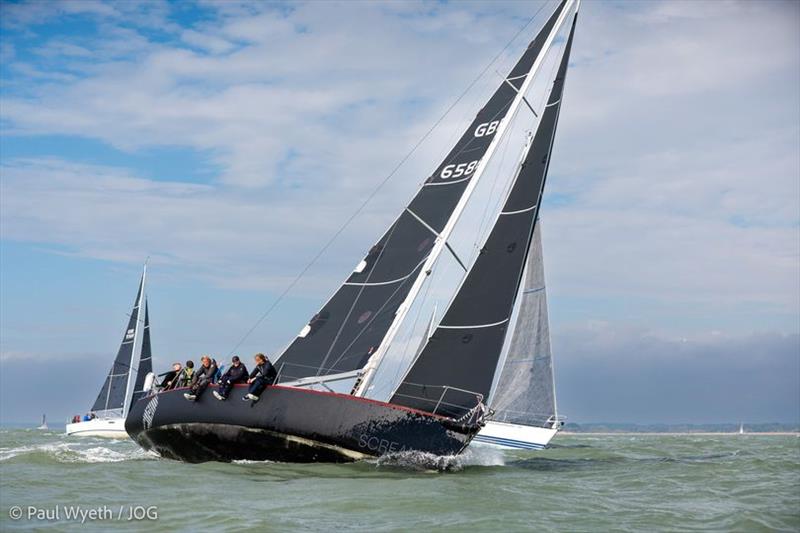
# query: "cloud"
[[673, 190], [618, 374]]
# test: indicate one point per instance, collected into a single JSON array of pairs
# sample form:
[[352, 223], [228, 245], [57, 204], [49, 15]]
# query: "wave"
[[72, 453], [423, 461]]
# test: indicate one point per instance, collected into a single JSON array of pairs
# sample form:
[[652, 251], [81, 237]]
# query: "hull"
[[514, 436], [109, 428], [288, 424]]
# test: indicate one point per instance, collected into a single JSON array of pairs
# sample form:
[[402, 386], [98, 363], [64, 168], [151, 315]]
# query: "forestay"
[[457, 365], [351, 326]]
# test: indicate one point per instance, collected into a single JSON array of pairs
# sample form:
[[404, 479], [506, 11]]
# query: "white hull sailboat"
[[43, 426], [524, 397], [126, 381]]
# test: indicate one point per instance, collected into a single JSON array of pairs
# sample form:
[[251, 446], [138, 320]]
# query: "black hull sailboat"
[[291, 424], [438, 405]]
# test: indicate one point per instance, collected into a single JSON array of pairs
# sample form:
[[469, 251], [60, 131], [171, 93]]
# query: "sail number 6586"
[[462, 169]]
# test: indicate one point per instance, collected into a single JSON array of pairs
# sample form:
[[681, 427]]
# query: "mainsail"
[[346, 333], [114, 393], [525, 391], [145, 360], [459, 361]]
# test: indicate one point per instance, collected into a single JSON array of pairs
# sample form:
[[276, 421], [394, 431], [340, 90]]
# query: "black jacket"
[[265, 370], [170, 380], [204, 374], [235, 374]]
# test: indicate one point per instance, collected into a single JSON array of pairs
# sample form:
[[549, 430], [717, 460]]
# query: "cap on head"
[[235, 359], [190, 364]]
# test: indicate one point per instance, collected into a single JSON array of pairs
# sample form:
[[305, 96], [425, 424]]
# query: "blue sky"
[[227, 141]]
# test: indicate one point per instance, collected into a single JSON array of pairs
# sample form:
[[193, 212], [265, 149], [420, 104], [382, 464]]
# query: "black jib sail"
[[112, 394], [351, 326], [145, 360], [461, 356]]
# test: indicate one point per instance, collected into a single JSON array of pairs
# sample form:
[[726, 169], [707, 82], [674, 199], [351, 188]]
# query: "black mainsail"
[[116, 395], [113, 394], [460, 358], [353, 324]]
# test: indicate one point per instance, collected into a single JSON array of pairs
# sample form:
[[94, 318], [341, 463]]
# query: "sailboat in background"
[[130, 377], [326, 405], [43, 426], [524, 398]]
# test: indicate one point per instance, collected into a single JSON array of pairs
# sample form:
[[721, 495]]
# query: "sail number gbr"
[[487, 128], [461, 169]]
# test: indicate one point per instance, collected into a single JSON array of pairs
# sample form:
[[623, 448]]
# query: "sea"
[[584, 482]]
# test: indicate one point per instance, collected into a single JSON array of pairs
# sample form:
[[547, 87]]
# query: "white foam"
[[73, 453]]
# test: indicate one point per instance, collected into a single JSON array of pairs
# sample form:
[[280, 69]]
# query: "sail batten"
[[464, 359], [357, 320]]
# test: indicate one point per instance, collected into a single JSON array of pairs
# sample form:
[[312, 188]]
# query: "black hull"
[[288, 424]]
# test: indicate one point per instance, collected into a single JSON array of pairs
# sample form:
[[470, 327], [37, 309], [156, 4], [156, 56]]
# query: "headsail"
[[352, 325], [113, 394], [525, 391], [145, 360], [461, 357]]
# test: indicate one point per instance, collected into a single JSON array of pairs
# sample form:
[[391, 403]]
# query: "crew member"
[[237, 373], [263, 374], [201, 379]]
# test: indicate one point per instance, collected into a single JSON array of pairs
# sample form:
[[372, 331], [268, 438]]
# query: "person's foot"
[[190, 397], [218, 396]]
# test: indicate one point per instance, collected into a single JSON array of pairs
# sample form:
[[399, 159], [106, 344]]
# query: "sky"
[[229, 141]]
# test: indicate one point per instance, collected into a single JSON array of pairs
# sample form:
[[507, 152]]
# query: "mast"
[[441, 240], [135, 355]]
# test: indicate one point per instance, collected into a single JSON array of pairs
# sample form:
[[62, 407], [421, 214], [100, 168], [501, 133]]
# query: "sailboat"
[[524, 399], [128, 380], [331, 401], [43, 425]]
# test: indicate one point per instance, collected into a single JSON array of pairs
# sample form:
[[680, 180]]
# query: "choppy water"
[[584, 483]]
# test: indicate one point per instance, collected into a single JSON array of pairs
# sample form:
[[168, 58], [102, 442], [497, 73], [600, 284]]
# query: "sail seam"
[[475, 326], [517, 212], [446, 182], [529, 291], [379, 283], [554, 103]]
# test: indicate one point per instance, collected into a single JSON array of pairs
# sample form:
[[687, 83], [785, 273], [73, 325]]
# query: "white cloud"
[[677, 146]]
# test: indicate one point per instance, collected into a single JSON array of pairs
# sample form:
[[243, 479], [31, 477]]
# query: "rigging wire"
[[383, 182]]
